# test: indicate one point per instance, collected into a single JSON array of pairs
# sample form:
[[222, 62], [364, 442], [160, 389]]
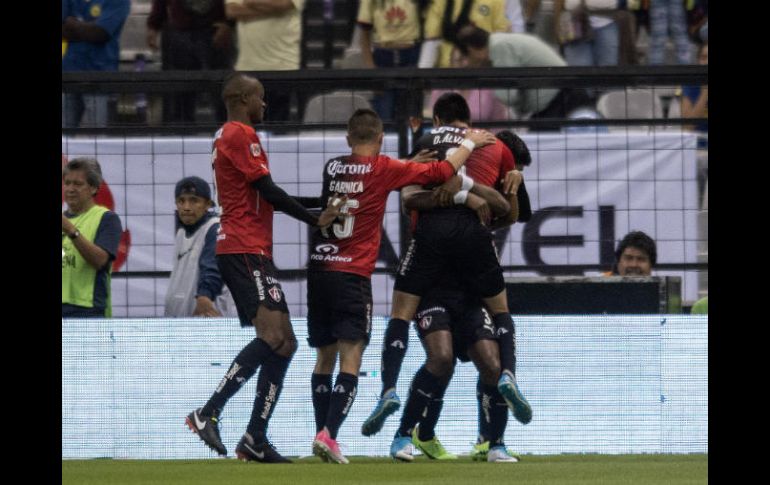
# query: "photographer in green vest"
[[90, 235]]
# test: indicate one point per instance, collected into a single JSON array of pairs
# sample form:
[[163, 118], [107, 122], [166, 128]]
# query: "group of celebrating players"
[[458, 185]]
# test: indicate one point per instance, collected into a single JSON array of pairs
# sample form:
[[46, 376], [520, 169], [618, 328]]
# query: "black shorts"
[[450, 239], [339, 307], [457, 312], [252, 282]]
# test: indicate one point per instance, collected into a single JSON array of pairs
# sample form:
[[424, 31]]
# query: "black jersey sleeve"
[[283, 201], [525, 210]]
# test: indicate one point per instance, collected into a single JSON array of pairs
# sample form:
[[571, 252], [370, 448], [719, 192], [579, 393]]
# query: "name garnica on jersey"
[[336, 167]]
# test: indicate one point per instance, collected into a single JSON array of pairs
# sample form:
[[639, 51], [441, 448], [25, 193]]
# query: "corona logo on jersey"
[[336, 167], [104, 198]]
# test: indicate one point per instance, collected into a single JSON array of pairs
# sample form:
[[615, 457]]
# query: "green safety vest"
[[78, 277]]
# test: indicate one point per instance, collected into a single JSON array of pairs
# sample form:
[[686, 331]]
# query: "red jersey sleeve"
[[246, 154], [400, 173]]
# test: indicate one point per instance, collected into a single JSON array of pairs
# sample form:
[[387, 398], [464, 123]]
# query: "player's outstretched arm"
[[287, 204], [333, 210], [473, 139]]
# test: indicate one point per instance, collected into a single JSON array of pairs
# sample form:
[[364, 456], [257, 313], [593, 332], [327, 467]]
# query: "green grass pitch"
[[551, 470]]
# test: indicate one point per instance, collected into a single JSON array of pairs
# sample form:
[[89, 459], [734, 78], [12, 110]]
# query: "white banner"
[[582, 186]]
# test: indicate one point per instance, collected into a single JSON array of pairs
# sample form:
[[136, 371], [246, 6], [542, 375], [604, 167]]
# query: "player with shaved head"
[[248, 196]]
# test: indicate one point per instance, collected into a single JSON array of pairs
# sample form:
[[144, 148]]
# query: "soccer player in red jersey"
[[452, 237], [248, 196], [452, 324], [342, 260]]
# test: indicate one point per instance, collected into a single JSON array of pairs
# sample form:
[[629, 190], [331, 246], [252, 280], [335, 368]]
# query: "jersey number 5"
[[341, 231]]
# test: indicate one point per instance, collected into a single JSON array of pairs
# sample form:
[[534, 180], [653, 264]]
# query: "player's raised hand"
[[480, 137], [333, 210], [512, 181]]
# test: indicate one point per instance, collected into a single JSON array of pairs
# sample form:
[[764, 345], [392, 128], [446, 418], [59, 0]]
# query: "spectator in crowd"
[[89, 243], [601, 46], [695, 99], [195, 288], [538, 20], [91, 30], [444, 18], [700, 307], [515, 12], [695, 104], [521, 50], [194, 35], [635, 256], [391, 34], [268, 38], [483, 103], [668, 17]]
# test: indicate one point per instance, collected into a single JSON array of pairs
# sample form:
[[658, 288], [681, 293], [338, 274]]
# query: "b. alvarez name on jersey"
[[440, 139], [487, 165], [447, 135]]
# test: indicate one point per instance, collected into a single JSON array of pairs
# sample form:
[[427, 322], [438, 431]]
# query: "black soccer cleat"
[[207, 429], [263, 452]]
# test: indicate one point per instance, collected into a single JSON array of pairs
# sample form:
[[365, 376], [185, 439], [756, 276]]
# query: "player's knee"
[[490, 372], [404, 305], [282, 345], [441, 363], [289, 346]]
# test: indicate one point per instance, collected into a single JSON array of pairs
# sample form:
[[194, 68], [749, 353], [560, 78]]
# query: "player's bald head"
[[237, 84]]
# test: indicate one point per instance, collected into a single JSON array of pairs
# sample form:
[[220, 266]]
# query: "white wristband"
[[467, 182], [461, 196], [469, 144]]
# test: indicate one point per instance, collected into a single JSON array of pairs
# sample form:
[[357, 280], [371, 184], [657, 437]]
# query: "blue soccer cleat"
[[387, 405], [402, 448], [514, 398]]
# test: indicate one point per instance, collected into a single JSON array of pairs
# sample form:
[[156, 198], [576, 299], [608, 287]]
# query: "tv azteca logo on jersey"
[[327, 252]]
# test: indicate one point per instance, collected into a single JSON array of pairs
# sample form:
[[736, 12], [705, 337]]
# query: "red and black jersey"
[[486, 165], [352, 245], [246, 221]]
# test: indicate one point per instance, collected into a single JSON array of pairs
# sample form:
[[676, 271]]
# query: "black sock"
[[322, 389], [243, 367], [506, 338], [428, 422], [493, 414], [484, 400], [421, 392], [269, 385], [343, 395], [499, 414], [393, 351]]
